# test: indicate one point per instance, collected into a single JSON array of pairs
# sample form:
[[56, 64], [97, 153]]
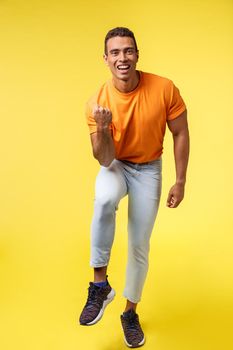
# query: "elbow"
[[103, 162], [106, 163], [182, 133]]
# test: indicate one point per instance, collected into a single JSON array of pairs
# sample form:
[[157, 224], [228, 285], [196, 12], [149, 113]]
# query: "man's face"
[[121, 57]]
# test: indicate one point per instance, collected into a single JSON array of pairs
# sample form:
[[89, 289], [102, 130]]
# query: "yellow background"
[[51, 62]]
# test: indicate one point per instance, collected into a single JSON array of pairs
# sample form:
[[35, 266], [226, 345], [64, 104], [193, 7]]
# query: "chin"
[[126, 76]]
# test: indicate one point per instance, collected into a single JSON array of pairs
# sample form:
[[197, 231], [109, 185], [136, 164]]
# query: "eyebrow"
[[126, 48]]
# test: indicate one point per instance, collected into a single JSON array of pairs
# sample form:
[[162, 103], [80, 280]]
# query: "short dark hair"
[[119, 31]]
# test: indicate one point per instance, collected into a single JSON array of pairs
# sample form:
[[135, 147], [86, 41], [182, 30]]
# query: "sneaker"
[[98, 298], [133, 334]]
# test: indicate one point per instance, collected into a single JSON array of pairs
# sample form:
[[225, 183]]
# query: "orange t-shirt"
[[138, 117]]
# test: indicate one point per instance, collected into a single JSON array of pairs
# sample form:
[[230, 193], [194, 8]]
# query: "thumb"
[[169, 198]]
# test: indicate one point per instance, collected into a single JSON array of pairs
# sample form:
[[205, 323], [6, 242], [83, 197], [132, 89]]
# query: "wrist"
[[102, 127], [180, 182]]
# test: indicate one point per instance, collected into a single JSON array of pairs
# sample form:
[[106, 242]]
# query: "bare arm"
[[180, 133], [102, 142]]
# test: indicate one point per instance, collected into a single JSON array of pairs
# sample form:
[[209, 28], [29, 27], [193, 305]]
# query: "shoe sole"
[[110, 298], [135, 346]]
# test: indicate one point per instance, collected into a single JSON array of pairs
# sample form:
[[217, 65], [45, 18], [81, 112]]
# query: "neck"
[[127, 85]]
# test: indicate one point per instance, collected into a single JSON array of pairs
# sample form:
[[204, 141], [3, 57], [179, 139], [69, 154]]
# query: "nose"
[[122, 56]]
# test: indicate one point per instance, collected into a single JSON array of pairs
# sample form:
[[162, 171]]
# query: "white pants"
[[142, 183]]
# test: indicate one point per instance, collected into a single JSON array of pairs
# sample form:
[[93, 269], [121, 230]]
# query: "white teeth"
[[123, 67]]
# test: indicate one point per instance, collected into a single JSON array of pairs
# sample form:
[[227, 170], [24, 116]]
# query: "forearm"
[[103, 148], [181, 154]]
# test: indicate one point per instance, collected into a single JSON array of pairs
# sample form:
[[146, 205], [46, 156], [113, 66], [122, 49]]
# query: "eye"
[[130, 51], [114, 53]]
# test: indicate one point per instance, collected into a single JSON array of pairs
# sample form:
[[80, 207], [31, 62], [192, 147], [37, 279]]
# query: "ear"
[[105, 57], [137, 55]]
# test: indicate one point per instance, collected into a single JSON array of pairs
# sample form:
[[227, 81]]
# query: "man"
[[127, 118]]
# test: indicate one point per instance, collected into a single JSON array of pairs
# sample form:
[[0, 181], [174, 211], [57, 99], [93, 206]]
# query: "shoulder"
[[156, 80], [102, 89], [98, 96]]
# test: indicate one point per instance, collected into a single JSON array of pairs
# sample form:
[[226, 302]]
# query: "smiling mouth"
[[123, 67]]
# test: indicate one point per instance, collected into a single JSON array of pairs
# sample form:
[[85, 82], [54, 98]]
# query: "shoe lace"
[[93, 297], [132, 322]]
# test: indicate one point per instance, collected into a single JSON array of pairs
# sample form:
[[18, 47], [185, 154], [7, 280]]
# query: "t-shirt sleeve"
[[89, 117], [175, 103]]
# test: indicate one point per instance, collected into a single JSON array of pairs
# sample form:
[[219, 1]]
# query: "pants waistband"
[[145, 163]]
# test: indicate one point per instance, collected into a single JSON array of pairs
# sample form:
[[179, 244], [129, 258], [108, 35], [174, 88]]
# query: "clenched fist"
[[102, 116]]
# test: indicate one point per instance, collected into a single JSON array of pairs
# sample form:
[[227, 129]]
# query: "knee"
[[106, 203]]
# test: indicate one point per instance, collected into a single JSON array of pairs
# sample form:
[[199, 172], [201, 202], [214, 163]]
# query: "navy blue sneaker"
[[133, 334], [97, 300]]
